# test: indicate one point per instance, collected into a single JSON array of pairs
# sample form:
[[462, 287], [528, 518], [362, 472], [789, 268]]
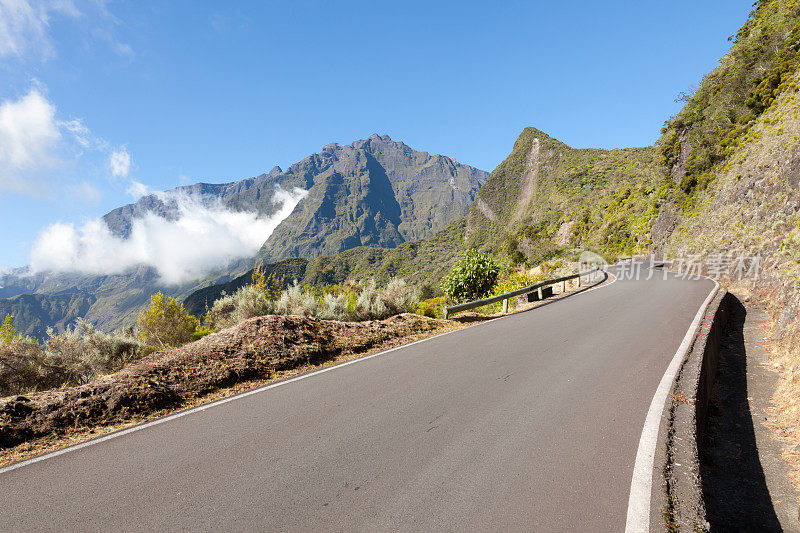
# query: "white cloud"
[[120, 163], [137, 190], [80, 133], [33, 140], [29, 136], [203, 237], [25, 25]]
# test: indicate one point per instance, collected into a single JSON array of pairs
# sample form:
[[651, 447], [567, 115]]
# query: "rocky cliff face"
[[252, 194], [373, 192]]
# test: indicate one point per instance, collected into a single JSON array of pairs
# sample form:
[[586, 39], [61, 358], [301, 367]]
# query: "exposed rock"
[[679, 169], [564, 232]]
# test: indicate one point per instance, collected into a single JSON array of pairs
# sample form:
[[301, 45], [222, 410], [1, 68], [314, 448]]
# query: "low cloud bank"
[[203, 237]]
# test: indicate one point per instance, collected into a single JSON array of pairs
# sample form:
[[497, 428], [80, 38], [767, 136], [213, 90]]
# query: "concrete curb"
[[678, 503]]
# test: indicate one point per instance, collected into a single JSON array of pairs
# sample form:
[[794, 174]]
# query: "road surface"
[[530, 422]]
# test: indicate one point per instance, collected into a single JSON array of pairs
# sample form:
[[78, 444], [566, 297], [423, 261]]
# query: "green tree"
[[271, 285], [7, 332], [166, 324], [474, 276], [512, 250]]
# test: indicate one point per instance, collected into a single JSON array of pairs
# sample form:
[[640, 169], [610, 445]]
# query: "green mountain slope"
[[730, 98], [34, 313], [546, 191]]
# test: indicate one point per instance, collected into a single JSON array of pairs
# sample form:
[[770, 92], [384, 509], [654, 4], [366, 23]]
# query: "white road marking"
[[638, 520]]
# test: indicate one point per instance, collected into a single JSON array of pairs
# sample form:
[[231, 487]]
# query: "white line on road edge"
[[638, 520], [200, 408]]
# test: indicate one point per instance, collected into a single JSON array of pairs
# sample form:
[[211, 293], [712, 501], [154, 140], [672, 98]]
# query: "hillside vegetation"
[[734, 152], [419, 262], [718, 115], [546, 193]]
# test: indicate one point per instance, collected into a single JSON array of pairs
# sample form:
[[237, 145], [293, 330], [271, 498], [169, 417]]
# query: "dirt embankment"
[[259, 349]]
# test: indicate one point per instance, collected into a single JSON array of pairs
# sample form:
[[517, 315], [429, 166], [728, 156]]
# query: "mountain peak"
[[376, 137]]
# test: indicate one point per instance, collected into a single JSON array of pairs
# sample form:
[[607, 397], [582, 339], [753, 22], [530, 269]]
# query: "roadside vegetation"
[[349, 301], [82, 353], [75, 356]]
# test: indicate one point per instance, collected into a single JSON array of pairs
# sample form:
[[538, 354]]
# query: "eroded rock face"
[[564, 232], [255, 349], [664, 224], [679, 169], [529, 177]]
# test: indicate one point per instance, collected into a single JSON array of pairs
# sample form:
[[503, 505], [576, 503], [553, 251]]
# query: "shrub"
[[348, 301], [369, 304], [166, 324], [431, 307], [222, 314], [73, 357], [7, 331], [295, 301], [427, 291], [333, 307], [513, 281], [473, 277], [23, 367], [82, 352], [271, 286], [512, 250], [400, 297], [200, 333], [250, 301]]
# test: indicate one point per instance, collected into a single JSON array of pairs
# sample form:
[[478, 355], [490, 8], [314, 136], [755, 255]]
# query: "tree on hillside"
[[474, 276], [7, 332], [166, 324]]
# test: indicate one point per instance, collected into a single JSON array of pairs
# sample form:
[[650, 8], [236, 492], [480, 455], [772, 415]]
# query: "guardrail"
[[506, 296]]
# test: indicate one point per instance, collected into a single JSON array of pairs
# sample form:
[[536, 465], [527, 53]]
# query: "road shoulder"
[[744, 476]]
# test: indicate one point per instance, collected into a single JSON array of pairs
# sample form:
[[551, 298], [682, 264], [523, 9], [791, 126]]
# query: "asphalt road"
[[530, 422]]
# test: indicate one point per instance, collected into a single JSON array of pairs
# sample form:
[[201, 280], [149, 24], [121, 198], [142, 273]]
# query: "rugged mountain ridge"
[[374, 192], [251, 194]]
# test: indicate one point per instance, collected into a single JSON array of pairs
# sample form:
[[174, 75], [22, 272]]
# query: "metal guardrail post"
[[505, 306]]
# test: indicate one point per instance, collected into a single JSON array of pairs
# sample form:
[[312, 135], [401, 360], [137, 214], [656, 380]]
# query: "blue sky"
[[100, 101]]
